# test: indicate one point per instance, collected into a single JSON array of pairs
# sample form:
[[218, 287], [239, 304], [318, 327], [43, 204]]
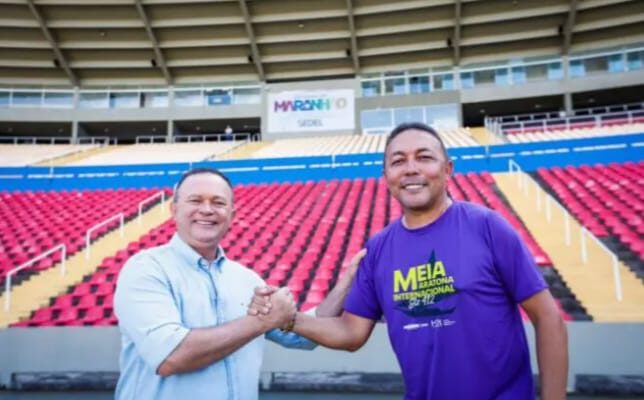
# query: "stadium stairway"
[[37, 291], [77, 156], [243, 151], [593, 282]]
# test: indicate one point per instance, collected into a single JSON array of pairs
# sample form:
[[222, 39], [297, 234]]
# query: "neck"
[[413, 219], [209, 254]]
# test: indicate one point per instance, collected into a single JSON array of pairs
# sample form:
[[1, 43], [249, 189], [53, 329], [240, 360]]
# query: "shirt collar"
[[194, 259]]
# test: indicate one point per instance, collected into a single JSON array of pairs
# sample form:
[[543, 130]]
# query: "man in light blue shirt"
[[182, 307]]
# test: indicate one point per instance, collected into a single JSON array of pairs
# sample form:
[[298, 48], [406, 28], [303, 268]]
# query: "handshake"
[[275, 307]]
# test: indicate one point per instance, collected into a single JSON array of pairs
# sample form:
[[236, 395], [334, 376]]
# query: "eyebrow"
[[416, 151]]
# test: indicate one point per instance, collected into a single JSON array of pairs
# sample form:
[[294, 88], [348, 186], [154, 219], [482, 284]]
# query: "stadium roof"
[[172, 42]]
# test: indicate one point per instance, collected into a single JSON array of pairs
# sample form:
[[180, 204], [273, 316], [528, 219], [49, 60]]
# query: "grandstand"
[[155, 153], [24, 154], [103, 105]]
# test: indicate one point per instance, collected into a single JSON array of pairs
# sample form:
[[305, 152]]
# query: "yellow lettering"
[[438, 270], [422, 272], [402, 283]]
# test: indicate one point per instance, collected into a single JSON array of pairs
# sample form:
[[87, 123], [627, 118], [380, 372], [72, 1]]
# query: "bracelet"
[[291, 324]]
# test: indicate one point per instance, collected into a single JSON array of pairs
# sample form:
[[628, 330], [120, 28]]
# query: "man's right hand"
[[282, 310]]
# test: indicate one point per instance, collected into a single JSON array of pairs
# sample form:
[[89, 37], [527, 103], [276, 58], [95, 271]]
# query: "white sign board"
[[311, 111]]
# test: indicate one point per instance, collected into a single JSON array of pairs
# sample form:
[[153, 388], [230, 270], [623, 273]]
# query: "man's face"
[[203, 210], [416, 170]]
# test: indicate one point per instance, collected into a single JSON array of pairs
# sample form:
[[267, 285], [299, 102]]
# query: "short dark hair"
[[200, 171], [405, 126]]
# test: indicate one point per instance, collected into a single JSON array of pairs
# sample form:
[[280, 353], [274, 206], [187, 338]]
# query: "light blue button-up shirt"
[[164, 292]]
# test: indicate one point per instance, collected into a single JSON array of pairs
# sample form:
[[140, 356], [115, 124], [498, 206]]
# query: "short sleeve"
[[362, 299], [146, 310], [513, 260]]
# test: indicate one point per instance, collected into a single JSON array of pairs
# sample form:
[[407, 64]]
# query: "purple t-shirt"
[[449, 293]]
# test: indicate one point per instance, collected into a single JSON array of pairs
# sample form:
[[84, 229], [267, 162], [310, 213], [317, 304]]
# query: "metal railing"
[[88, 237], [522, 181], [565, 123], [104, 140], [147, 200], [7, 283]]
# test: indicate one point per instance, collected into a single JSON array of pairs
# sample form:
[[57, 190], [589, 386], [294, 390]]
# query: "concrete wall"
[[604, 349]]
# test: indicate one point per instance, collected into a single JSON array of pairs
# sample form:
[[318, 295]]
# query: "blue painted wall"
[[529, 156]]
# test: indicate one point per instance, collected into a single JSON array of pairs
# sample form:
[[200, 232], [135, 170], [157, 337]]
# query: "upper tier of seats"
[[579, 131], [158, 153], [353, 144], [18, 155], [31, 223], [298, 235]]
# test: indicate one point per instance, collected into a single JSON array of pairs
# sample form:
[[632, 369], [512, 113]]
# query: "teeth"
[[205, 222], [413, 186]]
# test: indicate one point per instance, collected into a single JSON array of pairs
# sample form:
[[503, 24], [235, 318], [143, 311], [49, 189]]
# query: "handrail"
[[568, 122], [147, 200], [120, 216], [583, 231], [7, 283]]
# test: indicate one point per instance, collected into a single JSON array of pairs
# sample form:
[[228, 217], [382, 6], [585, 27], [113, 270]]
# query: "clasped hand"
[[275, 307]]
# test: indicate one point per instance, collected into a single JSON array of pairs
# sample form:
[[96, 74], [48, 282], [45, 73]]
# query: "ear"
[[173, 209], [449, 168]]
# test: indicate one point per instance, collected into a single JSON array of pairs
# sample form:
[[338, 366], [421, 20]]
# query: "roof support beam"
[[456, 40], [60, 57], [354, 39], [254, 50], [160, 59], [567, 30]]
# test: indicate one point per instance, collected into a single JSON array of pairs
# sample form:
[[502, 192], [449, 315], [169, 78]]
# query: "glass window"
[[536, 72], [555, 71], [467, 80], [577, 68], [376, 119], [444, 82], [485, 77], [4, 99], [419, 84], [518, 74], [616, 63], [59, 99], [247, 96], [596, 64], [371, 88], [395, 86], [26, 99], [188, 98], [501, 77], [154, 99], [444, 115], [94, 100], [635, 60], [218, 97], [124, 100], [409, 114]]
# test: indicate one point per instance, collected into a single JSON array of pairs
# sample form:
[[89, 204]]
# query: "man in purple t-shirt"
[[448, 277]]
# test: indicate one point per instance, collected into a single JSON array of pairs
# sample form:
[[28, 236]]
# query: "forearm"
[[333, 332], [333, 304], [205, 346], [552, 356]]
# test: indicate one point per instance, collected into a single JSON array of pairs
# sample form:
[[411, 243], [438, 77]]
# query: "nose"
[[411, 168], [206, 207]]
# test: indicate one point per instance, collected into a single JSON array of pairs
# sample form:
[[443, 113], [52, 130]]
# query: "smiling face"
[[417, 170], [203, 210]]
